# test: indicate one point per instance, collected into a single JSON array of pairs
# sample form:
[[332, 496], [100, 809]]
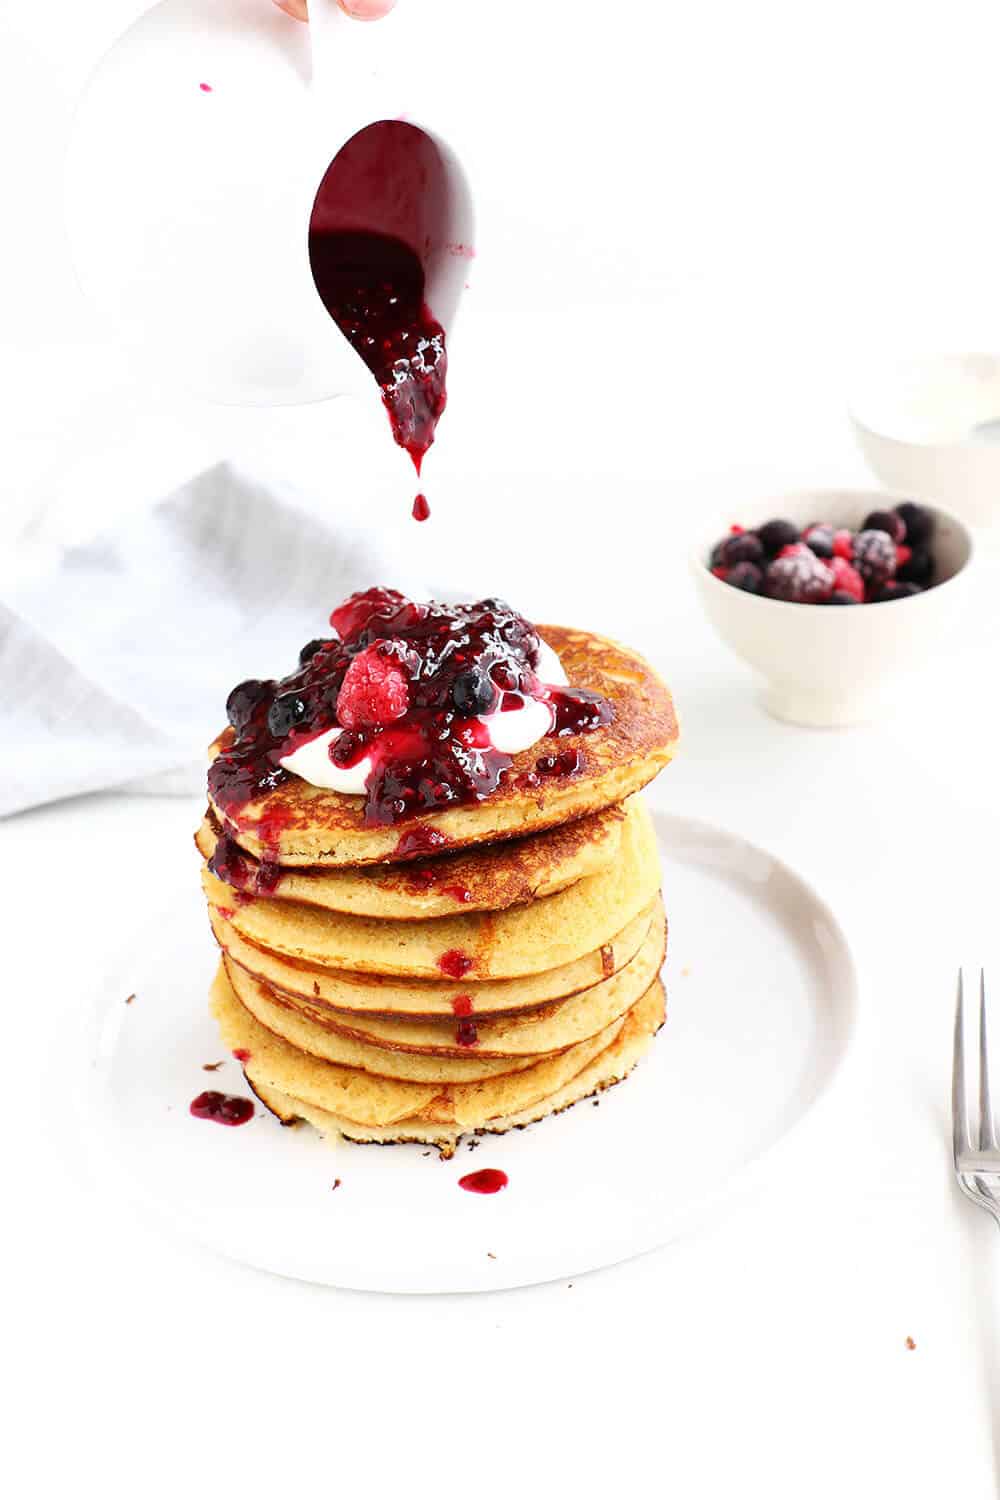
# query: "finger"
[[296, 8], [366, 10]]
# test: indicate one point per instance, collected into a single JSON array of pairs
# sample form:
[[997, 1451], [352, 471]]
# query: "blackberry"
[[473, 693], [918, 521], [746, 576], [777, 534], [875, 557], [743, 547], [918, 568], [798, 579], [285, 713], [887, 521]]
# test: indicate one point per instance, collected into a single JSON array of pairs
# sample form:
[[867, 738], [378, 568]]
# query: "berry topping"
[[847, 580], [777, 534], [843, 543], [743, 546], [245, 700], [841, 596], [798, 578], [887, 521], [918, 521], [374, 690], [875, 557], [286, 713], [310, 648], [745, 576], [819, 539], [473, 692]]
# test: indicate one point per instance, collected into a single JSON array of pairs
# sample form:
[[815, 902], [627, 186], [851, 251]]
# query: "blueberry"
[[819, 540], [887, 521], [841, 596], [746, 576], [473, 693], [244, 700], [875, 557], [895, 590], [285, 713], [918, 521], [741, 547], [777, 534], [918, 568]]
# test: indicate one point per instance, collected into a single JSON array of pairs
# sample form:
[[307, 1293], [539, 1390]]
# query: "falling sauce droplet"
[[206, 88], [421, 510]]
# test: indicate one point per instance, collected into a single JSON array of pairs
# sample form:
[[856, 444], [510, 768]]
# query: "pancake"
[[367, 1099], [482, 879], [345, 994], [392, 1047], [300, 824], [484, 945], [609, 1067]]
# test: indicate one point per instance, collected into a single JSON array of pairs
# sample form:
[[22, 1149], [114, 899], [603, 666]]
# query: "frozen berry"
[[374, 690], [473, 692], [847, 580], [746, 576], [743, 546], [875, 556], [918, 521], [715, 560], [819, 539], [777, 534], [285, 713], [917, 568], [799, 578], [841, 596], [843, 543], [887, 521], [895, 590], [244, 701]]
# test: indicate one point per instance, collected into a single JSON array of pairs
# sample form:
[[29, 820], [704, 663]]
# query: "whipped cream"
[[509, 731]]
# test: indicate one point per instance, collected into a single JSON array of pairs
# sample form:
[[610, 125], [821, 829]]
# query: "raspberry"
[[383, 611], [847, 580], [374, 690], [903, 555], [798, 577], [843, 544], [875, 557]]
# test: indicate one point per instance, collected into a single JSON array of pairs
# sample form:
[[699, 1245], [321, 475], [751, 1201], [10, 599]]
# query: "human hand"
[[361, 10]]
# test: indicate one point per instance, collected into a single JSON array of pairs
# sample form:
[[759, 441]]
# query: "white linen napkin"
[[115, 667]]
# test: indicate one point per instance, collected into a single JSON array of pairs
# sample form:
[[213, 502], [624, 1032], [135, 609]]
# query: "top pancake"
[[300, 824]]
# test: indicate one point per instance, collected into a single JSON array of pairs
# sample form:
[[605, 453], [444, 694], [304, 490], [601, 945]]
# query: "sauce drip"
[[224, 1109], [486, 1180]]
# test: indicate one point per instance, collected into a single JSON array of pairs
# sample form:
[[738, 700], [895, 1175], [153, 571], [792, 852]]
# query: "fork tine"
[[960, 1139], [987, 1129]]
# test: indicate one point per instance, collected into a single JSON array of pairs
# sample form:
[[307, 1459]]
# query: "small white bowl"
[[828, 665], [930, 426]]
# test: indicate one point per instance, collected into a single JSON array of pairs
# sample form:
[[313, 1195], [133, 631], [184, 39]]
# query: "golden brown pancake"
[[343, 993], [368, 1099], [608, 1067], [530, 1034], [527, 939], [300, 824], [488, 878]]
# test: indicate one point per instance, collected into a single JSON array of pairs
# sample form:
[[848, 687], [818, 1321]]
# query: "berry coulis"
[[421, 677], [486, 1180], [224, 1109]]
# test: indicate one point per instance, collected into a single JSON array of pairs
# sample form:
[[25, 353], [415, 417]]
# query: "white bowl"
[[826, 664], [931, 426]]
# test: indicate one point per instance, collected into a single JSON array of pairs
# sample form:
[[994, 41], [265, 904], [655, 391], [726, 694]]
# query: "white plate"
[[761, 1009]]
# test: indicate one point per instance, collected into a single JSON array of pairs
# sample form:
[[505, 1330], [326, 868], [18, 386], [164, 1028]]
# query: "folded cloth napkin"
[[114, 668]]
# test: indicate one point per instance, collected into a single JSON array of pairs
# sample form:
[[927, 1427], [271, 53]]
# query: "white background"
[[695, 222]]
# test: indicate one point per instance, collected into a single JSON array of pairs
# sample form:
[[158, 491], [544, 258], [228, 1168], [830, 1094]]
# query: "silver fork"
[[977, 1156]]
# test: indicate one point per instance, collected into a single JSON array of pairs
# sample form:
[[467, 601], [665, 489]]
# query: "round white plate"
[[760, 1012]]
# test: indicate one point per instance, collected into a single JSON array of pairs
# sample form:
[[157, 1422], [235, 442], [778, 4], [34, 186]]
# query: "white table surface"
[[826, 198]]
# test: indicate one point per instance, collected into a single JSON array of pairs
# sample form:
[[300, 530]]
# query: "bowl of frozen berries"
[[836, 597]]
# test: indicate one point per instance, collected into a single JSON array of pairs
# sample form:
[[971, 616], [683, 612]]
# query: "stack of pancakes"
[[384, 994]]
